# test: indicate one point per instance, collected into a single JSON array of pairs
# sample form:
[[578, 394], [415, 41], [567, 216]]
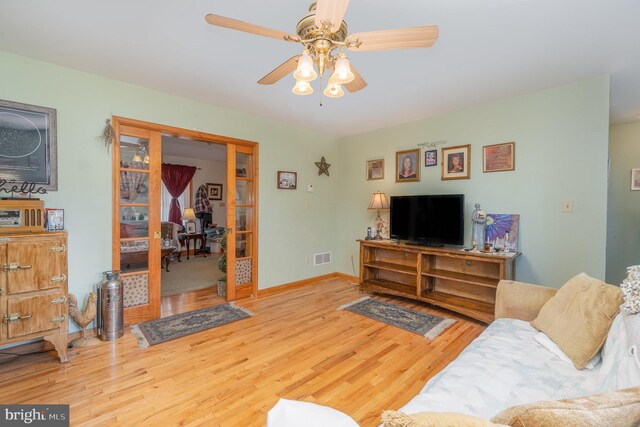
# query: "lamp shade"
[[378, 201], [334, 90], [302, 88], [305, 72], [343, 73], [188, 214]]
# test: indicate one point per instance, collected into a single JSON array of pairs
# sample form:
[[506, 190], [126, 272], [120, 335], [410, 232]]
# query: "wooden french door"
[[242, 224], [136, 219], [137, 174]]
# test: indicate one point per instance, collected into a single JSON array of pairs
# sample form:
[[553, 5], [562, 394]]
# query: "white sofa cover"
[[505, 367]]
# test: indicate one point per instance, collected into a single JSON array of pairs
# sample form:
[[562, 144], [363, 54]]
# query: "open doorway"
[[193, 233]]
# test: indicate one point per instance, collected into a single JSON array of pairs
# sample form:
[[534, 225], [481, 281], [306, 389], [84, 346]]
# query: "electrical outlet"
[[567, 206]]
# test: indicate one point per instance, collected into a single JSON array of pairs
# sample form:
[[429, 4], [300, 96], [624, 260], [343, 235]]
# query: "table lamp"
[[188, 215], [378, 201]]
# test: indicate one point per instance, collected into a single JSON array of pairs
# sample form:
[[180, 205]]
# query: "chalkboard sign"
[[28, 150]]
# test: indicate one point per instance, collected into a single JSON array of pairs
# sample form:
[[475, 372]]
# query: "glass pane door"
[[136, 220], [241, 218]]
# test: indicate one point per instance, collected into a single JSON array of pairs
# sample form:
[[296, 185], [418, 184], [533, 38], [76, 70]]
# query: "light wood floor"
[[297, 346]]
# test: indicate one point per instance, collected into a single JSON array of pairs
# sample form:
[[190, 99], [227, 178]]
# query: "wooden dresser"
[[460, 281], [33, 288]]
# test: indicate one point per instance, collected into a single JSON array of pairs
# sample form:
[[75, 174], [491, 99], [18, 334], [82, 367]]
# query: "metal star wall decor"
[[323, 167]]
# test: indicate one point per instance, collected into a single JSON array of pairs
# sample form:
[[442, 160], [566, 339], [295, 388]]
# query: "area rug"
[[172, 327], [191, 274], [419, 323]]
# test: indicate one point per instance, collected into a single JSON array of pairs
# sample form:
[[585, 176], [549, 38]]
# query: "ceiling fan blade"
[[357, 84], [402, 38], [332, 11], [234, 24], [282, 70]]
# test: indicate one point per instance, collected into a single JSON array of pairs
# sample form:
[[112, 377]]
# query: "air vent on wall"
[[321, 259]]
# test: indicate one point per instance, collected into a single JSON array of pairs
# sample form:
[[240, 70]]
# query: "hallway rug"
[[414, 321], [172, 327]]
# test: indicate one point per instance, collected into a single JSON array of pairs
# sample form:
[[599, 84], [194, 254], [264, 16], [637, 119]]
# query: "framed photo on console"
[[456, 162], [499, 157]]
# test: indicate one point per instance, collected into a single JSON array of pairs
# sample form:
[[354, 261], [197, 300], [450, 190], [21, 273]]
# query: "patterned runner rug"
[[172, 327], [419, 323]]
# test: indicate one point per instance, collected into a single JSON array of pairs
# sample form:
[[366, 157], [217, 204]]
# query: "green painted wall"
[[293, 224], [561, 149], [561, 137], [623, 217]]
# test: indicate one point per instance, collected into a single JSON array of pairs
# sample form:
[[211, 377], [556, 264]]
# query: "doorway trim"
[[118, 122]]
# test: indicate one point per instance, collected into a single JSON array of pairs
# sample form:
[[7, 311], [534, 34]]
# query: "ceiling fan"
[[324, 35]]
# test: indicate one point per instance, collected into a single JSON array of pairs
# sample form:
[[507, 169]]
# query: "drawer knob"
[[58, 279], [60, 248], [59, 318], [59, 300], [14, 317], [468, 263]]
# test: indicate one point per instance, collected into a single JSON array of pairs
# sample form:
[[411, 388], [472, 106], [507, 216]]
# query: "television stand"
[[459, 281], [425, 244]]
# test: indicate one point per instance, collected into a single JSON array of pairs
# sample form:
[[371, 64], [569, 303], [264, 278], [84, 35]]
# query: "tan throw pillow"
[[578, 317], [433, 419], [618, 408]]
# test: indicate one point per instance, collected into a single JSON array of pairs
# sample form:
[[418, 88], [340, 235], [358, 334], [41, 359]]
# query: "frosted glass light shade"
[[334, 90], [302, 88], [342, 73], [305, 71]]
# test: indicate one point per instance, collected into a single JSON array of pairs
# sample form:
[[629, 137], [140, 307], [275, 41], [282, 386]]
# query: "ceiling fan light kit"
[[302, 88], [324, 35], [333, 90], [305, 71]]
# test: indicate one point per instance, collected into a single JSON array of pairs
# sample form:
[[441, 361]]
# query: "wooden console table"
[[460, 281]]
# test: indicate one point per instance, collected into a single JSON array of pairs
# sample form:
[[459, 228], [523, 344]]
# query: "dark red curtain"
[[176, 178]]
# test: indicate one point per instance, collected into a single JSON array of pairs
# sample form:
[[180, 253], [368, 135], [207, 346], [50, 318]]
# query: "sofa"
[[505, 366]]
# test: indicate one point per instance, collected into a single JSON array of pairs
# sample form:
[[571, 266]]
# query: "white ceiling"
[[172, 146], [487, 50]]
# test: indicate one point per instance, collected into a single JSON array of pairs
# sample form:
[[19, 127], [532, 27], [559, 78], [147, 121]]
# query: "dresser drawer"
[[27, 315]]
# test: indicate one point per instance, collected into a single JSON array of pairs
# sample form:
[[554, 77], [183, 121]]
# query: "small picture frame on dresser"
[[55, 219]]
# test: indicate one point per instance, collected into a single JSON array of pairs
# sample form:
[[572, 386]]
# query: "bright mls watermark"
[[34, 415]]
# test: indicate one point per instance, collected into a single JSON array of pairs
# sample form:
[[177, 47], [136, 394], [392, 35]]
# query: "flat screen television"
[[428, 220]]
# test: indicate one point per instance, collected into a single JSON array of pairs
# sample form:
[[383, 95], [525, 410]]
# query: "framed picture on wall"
[[635, 179], [375, 169], [431, 158], [28, 145], [408, 165], [456, 163], [499, 157], [287, 180], [214, 191]]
